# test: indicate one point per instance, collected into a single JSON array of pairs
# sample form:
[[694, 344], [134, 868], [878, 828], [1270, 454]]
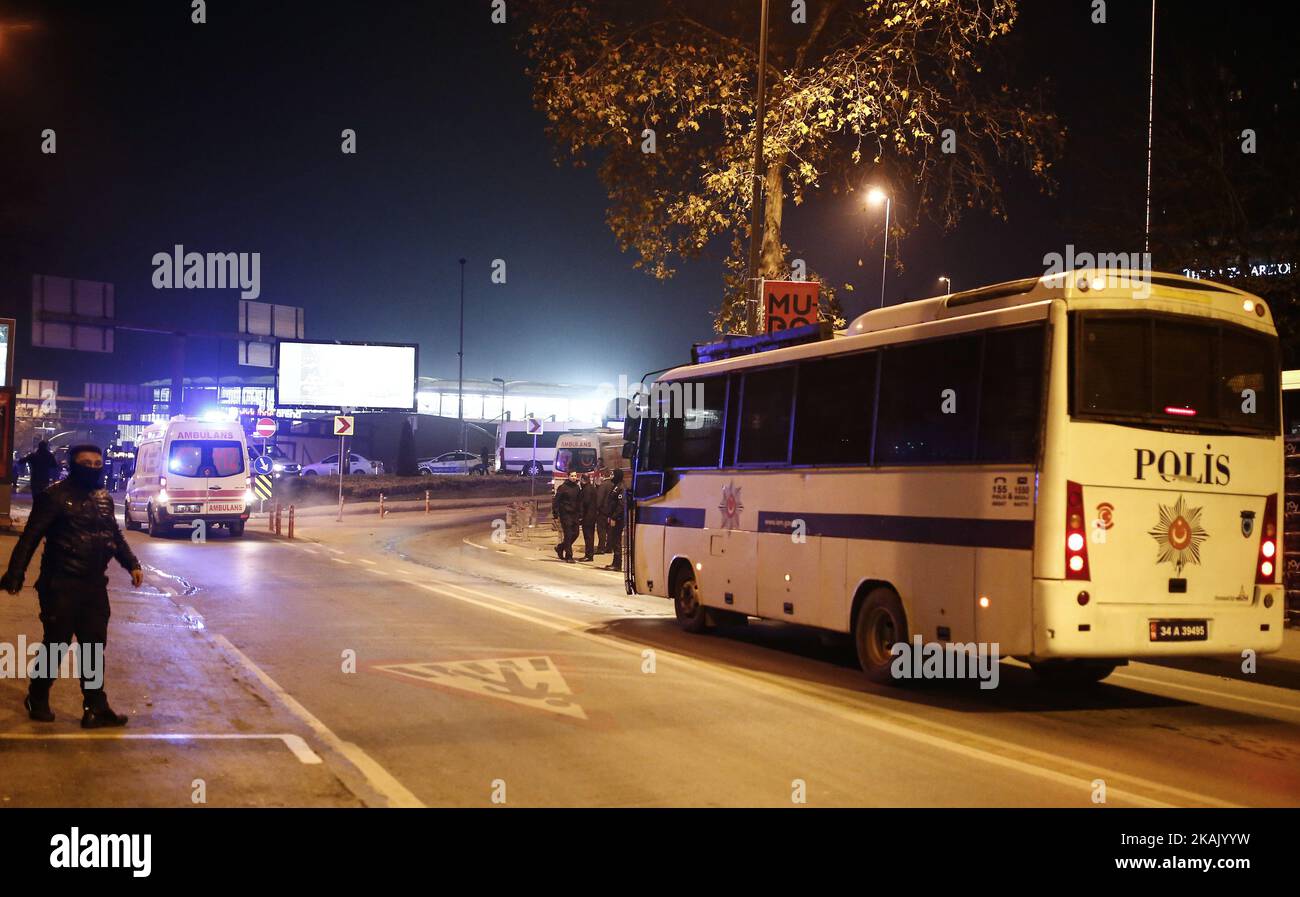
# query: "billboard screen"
[[378, 376]]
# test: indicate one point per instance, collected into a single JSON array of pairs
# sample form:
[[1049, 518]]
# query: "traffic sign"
[[262, 464], [265, 428], [534, 426], [342, 425], [262, 486]]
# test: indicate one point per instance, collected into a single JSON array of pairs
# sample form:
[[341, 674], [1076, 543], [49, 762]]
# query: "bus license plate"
[[1179, 630], [215, 508]]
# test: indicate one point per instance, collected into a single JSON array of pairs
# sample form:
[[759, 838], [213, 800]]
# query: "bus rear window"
[[1166, 370], [206, 459]]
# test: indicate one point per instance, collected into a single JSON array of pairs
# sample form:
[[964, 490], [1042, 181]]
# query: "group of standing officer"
[[597, 510]]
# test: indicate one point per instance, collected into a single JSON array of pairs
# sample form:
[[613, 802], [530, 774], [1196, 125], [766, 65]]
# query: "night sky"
[[226, 137]]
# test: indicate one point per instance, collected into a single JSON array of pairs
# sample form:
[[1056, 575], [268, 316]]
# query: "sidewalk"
[[202, 729]]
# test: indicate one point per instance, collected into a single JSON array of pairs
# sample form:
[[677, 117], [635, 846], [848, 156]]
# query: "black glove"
[[11, 583]]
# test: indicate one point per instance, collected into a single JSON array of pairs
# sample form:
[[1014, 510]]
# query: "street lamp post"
[[875, 198], [460, 360], [503, 396], [947, 281], [756, 196]]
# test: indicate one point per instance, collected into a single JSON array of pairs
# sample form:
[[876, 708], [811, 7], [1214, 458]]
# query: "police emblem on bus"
[[731, 506], [1247, 523], [1179, 535]]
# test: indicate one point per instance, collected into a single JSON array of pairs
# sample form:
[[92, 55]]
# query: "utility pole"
[[460, 358], [1151, 104], [756, 211]]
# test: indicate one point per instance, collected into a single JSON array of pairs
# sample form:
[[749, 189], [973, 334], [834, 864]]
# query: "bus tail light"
[[1076, 536], [1266, 563]]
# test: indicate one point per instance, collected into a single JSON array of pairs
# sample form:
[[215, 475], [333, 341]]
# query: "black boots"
[[101, 717], [39, 709]]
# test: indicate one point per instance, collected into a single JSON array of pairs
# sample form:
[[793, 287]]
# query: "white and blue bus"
[[1081, 468]]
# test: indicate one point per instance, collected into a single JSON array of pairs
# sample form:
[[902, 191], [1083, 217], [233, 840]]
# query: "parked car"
[[281, 464], [329, 466], [452, 463]]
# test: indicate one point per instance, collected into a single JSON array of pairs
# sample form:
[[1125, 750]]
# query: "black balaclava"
[[84, 476]]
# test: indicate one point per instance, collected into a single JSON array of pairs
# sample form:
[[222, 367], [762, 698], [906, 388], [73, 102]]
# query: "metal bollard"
[[290, 521], [340, 509], [426, 501], [279, 511], [270, 520], [381, 504]]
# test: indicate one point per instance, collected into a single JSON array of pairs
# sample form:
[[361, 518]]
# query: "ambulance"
[[187, 470]]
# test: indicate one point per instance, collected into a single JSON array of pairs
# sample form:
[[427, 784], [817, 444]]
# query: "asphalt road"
[[419, 664]]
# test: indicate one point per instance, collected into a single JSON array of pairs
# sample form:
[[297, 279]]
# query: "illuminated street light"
[[874, 198], [948, 281]]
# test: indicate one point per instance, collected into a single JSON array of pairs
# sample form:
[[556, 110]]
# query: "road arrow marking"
[[531, 681]]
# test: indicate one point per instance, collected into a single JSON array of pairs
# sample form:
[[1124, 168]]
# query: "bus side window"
[[1012, 396], [929, 393], [765, 417], [695, 435], [733, 420]]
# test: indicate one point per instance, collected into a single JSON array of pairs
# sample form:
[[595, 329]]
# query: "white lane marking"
[[310, 550], [294, 743], [478, 546], [193, 617], [334, 550], [364, 561], [1227, 696], [378, 572], [378, 778], [958, 741], [341, 561]]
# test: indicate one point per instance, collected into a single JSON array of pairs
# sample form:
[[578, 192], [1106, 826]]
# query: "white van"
[[186, 470], [515, 452]]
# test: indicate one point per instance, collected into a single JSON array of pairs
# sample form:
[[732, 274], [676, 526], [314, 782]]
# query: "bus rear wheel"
[[691, 614], [879, 625], [1072, 673]]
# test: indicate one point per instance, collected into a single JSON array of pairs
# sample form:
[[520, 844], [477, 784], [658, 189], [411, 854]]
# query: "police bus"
[[1081, 468]]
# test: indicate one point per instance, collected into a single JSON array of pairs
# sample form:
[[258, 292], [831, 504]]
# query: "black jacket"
[[590, 504], [81, 536], [615, 503], [567, 504], [602, 497], [39, 465]]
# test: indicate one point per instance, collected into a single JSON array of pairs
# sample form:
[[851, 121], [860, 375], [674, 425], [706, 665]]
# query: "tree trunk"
[[771, 260]]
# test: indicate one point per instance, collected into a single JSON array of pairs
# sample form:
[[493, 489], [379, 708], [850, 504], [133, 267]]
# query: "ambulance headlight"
[[163, 498], [249, 498]]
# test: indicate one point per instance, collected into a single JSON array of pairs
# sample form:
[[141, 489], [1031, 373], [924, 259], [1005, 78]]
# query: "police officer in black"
[[40, 464], [614, 510], [567, 509], [590, 514], [77, 520]]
